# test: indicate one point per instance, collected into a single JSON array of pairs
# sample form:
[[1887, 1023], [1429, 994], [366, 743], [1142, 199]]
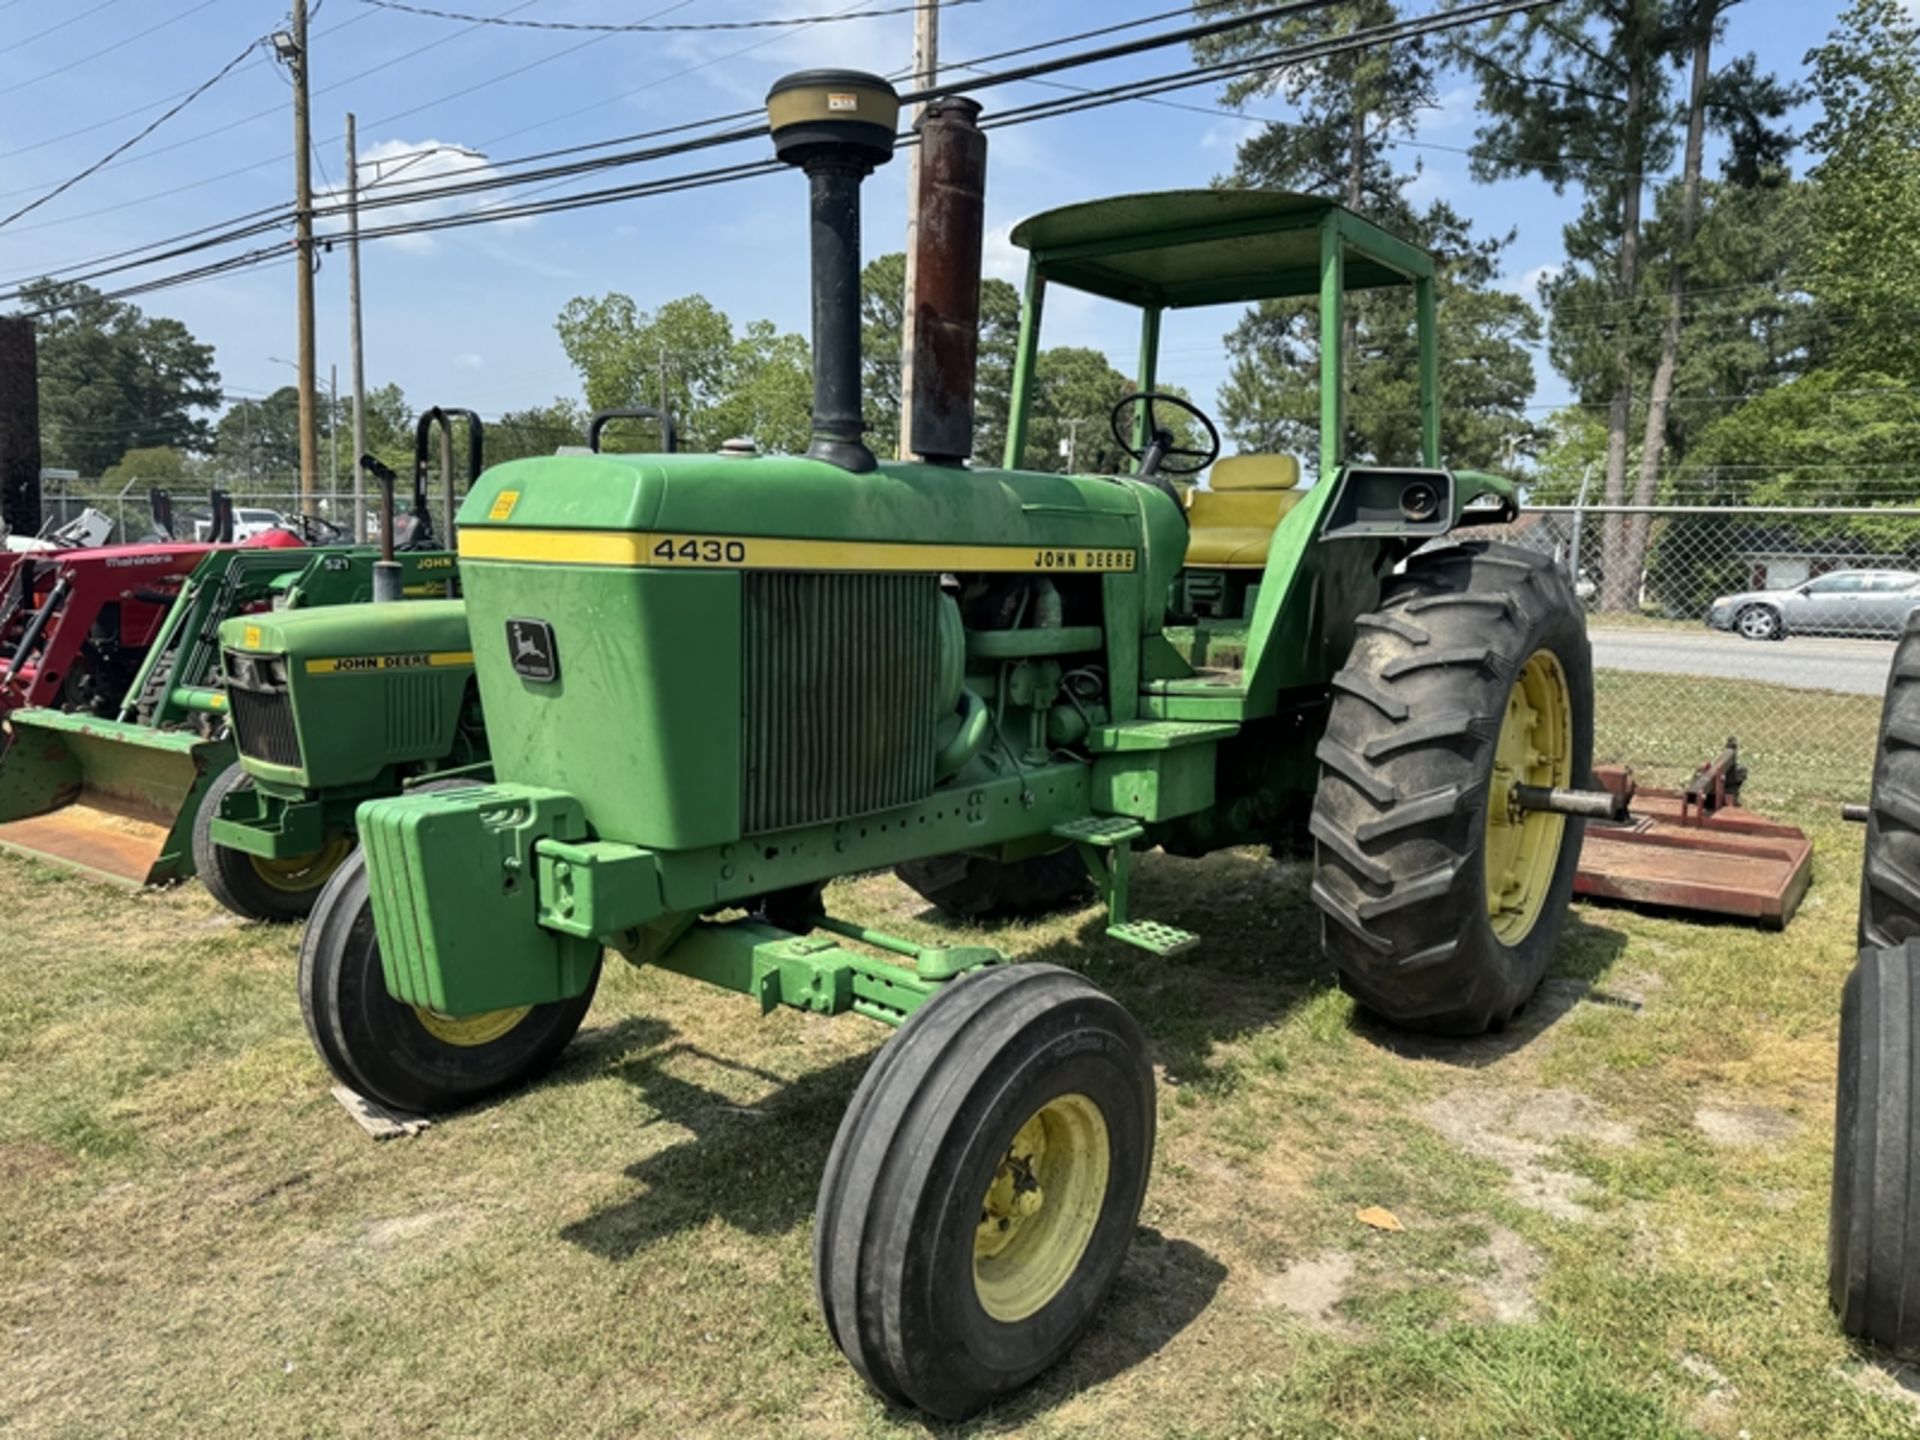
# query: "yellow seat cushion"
[[1255, 472], [1235, 528]]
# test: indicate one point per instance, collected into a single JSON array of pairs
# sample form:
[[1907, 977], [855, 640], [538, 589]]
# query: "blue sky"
[[466, 317]]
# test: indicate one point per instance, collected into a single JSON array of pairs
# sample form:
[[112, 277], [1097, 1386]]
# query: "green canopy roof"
[[1178, 248]]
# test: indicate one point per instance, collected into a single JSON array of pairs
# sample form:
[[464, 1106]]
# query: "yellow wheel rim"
[[1535, 748], [298, 874], [468, 1031], [1040, 1210]]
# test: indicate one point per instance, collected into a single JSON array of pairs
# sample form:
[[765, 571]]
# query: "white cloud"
[[1527, 284], [1229, 134], [1455, 110], [467, 360], [394, 169]]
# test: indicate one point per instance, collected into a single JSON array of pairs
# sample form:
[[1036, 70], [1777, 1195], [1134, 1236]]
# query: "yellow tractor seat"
[[1231, 523]]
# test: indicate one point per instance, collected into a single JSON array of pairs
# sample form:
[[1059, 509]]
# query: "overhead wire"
[[58, 25], [119, 44], [167, 248], [133, 140], [641, 27], [1469, 14]]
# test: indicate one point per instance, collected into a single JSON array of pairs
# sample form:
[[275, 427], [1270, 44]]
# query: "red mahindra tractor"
[[75, 624]]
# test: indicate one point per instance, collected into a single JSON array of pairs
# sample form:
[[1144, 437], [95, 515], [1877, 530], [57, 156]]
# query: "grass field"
[[1614, 1214]]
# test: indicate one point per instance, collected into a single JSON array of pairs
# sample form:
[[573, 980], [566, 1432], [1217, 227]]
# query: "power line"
[[126, 145], [169, 245], [88, 129], [643, 28], [108, 49], [61, 25], [1471, 14]]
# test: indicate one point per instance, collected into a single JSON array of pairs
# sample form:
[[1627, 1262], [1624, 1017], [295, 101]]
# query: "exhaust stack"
[[837, 125], [952, 206]]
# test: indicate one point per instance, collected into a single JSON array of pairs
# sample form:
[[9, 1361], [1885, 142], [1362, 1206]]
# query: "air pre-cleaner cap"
[[839, 114]]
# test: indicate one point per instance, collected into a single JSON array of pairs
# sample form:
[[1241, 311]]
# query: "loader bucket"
[[113, 800]]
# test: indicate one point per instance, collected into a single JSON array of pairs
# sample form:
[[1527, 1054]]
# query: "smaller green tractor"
[[713, 683], [331, 709]]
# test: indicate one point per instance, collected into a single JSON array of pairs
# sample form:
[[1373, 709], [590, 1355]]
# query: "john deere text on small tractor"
[[714, 682]]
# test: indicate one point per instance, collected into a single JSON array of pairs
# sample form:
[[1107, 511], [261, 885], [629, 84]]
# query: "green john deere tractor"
[[713, 683], [332, 709]]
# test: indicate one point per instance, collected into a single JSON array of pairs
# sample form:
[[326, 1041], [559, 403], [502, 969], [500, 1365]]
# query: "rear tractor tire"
[[277, 892], [984, 1186], [1890, 879], [1873, 1239], [972, 887], [1442, 901], [398, 1054]]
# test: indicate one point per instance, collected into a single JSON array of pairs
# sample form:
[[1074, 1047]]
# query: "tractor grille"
[[263, 725], [841, 671], [413, 712]]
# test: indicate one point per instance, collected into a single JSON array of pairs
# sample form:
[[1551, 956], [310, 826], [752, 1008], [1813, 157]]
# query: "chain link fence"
[[258, 505], [1775, 625]]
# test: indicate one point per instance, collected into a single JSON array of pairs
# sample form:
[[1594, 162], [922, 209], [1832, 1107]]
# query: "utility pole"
[[296, 55], [665, 408], [926, 70], [353, 335]]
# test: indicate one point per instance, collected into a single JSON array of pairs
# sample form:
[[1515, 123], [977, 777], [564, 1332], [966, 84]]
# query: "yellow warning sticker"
[[503, 504], [250, 640]]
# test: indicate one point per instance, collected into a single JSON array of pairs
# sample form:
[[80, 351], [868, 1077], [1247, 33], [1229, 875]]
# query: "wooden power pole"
[[926, 70], [297, 62]]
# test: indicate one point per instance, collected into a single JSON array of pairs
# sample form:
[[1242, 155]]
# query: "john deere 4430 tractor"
[[712, 683]]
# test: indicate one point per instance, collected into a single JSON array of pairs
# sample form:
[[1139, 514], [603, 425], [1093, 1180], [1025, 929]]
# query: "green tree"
[[768, 390], [114, 379], [1835, 438], [157, 464], [1350, 108], [1866, 246], [1582, 95], [882, 294], [1270, 401], [259, 440], [629, 356], [537, 430]]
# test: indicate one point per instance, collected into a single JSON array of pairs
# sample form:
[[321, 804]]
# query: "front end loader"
[[713, 683]]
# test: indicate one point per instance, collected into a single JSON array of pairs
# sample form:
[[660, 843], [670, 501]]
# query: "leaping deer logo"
[[527, 647]]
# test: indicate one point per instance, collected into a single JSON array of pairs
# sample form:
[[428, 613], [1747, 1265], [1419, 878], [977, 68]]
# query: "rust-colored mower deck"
[[1696, 849]]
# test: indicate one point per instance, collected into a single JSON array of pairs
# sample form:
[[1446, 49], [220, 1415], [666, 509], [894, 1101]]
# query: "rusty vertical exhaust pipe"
[[952, 206]]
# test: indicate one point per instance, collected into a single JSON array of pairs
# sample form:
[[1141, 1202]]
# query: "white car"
[[248, 521]]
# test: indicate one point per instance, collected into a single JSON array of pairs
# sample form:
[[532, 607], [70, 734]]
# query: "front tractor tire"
[[277, 892], [1441, 899], [398, 1054], [984, 1186]]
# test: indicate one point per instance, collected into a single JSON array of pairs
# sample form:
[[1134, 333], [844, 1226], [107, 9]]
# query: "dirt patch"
[[404, 1229], [1712, 1409], [1888, 1381], [30, 1160], [1312, 1289], [1511, 1268], [1744, 1124], [1518, 1132]]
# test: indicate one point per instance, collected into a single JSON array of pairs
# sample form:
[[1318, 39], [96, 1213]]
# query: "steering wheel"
[[1160, 447]]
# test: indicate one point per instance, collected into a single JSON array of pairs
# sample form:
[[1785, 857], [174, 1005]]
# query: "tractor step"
[[1154, 937], [1102, 830]]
